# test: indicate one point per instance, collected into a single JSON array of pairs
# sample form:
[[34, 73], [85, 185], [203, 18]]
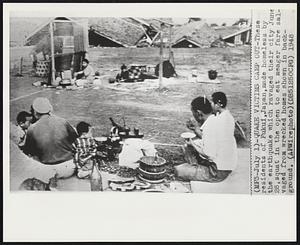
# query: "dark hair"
[[82, 127], [86, 60], [219, 98], [21, 117], [123, 67], [202, 104]]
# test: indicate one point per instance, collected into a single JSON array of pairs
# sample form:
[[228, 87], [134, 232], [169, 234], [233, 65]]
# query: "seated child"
[[24, 119], [86, 76], [85, 150]]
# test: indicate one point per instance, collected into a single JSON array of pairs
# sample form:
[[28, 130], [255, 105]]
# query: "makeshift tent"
[[64, 39]]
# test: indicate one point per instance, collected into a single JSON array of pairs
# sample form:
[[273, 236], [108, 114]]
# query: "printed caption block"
[[273, 103]]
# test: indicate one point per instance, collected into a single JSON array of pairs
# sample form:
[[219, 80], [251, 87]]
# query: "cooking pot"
[[212, 74]]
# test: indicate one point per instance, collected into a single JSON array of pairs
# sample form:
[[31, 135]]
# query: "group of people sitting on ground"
[[212, 155], [62, 149]]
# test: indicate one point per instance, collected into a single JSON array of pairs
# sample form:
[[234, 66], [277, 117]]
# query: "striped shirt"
[[84, 147]]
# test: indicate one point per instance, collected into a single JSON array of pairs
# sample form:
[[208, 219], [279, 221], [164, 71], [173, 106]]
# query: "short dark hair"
[[86, 60], [202, 104], [21, 117], [82, 127], [219, 98]]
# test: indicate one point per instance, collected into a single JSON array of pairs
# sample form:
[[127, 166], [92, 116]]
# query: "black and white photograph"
[[130, 104], [116, 101]]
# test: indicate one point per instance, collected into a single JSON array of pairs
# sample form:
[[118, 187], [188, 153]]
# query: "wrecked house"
[[235, 35], [152, 28], [114, 32], [196, 34]]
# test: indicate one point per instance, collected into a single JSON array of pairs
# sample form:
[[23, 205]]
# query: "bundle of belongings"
[[135, 73], [168, 69]]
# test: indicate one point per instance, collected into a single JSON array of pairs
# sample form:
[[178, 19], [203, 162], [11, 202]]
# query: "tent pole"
[[161, 57], [52, 52]]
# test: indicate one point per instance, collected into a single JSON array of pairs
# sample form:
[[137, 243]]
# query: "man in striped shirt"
[[85, 149]]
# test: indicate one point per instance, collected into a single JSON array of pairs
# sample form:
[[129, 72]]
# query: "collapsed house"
[[143, 32], [114, 32], [236, 35], [196, 34]]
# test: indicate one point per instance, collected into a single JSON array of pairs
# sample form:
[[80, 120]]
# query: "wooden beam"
[[163, 22], [161, 57], [52, 52], [171, 55]]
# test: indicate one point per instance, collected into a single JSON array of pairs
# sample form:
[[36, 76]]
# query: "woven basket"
[[42, 68]]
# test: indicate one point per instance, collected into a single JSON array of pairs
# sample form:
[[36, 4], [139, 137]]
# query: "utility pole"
[[161, 57], [52, 51]]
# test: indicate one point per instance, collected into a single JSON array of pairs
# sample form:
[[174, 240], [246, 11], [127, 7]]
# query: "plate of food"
[[188, 135]]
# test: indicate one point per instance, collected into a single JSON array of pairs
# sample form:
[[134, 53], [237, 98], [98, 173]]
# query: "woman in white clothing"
[[225, 125]]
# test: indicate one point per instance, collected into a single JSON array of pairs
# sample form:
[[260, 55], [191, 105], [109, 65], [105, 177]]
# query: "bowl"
[[188, 135], [153, 161], [100, 139]]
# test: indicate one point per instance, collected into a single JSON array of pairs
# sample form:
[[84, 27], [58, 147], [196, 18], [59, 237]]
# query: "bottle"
[[95, 178]]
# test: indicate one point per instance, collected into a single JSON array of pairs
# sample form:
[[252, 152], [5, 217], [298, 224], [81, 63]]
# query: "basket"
[[42, 68]]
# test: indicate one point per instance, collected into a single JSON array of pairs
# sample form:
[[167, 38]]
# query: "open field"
[[161, 116]]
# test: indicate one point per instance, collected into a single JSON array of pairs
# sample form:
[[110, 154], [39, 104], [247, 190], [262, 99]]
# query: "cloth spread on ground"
[[50, 139]]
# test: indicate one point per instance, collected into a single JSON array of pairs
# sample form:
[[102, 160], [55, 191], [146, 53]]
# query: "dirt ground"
[[161, 116]]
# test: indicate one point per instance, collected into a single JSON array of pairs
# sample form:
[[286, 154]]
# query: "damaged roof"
[[227, 31], [117, 29], [198, 32]]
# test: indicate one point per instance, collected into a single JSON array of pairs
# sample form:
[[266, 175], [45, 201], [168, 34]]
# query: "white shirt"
[[226, 156], [209, 137]]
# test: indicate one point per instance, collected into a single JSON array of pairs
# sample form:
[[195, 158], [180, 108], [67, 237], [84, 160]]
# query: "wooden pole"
[[161, 58], [52, 52], [21, 66], [171, 55]]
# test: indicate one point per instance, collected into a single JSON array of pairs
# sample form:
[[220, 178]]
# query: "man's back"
[[50, 139]]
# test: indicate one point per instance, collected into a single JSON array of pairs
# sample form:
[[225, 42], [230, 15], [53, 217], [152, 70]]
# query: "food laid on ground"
[[141, 185], [122, 187]]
